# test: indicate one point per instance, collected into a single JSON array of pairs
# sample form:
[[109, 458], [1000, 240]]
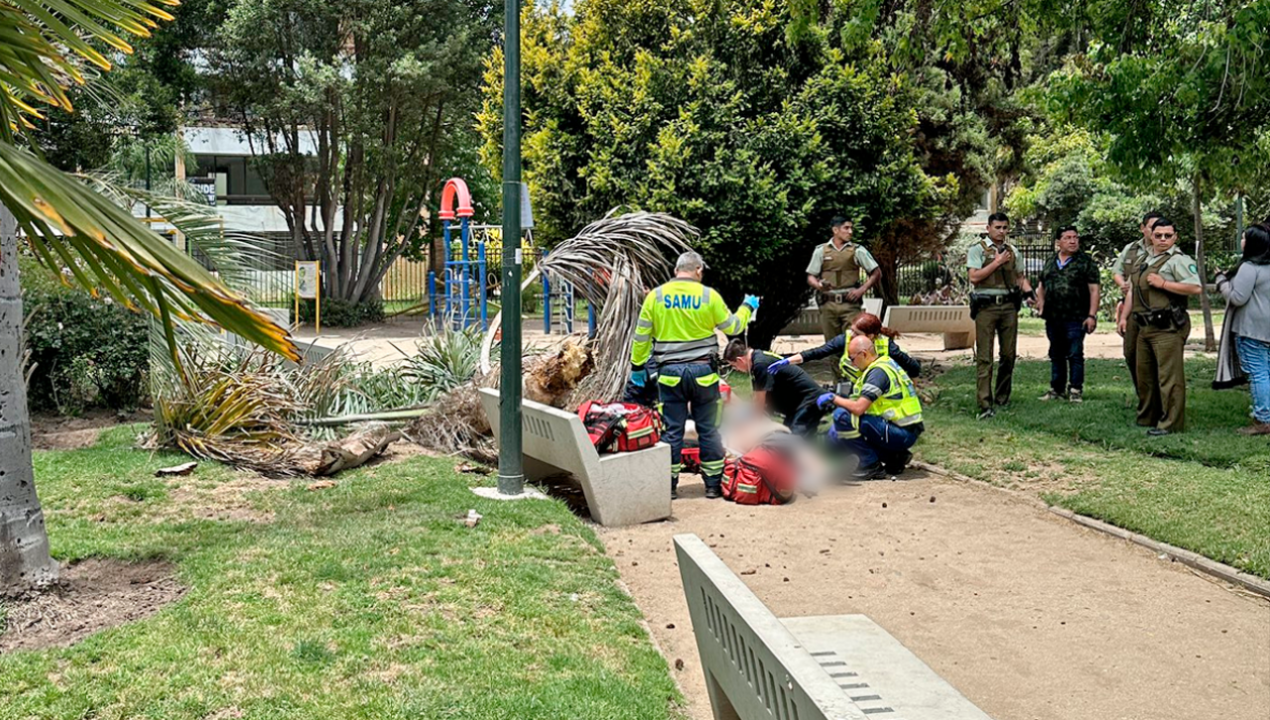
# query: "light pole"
[[511, 475]]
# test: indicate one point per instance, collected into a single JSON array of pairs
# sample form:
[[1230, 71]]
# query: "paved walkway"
[[1030, 616], [383, 344]]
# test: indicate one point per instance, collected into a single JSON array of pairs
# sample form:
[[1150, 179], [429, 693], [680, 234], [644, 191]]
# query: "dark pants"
[[692, 391], [1131, 351], [996, 322], [1067, 354], [836, 317], [879, 442], [805, 421], [1162, 377]]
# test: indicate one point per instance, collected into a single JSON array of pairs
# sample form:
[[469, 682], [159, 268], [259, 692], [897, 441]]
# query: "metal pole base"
[[496, 493]]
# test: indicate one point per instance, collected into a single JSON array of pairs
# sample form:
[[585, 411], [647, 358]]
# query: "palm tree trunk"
[[24, 545]]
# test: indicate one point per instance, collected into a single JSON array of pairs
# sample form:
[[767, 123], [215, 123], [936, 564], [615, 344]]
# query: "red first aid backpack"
[[620, 427], [762, 476]]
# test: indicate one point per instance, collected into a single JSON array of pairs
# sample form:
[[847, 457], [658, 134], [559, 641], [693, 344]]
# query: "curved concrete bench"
[[951, 320], [620, 488], [839, 667]]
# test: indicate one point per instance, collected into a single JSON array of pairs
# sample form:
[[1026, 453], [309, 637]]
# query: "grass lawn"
[[366, 600], [1206, 490]]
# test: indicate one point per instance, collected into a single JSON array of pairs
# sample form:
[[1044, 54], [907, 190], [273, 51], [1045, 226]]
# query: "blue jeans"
[[880, 441], [1067, 352], [692, 391], [1254, 358]]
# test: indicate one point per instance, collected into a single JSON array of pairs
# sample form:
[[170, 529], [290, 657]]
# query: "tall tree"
[[69, 227], [737, 116], [1183, 89], [355, 112]]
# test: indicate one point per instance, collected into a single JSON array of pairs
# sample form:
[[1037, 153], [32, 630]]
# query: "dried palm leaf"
[[613, 263]]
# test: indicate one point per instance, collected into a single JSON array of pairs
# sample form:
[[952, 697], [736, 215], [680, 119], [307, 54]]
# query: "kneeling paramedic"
[[788, 391], [883, 419], [676, 330]]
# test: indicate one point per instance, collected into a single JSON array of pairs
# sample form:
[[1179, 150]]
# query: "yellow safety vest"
[[881, 345], [677, 323], [900, 404]]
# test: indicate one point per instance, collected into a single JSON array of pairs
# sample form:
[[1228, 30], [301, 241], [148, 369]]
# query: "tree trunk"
[[1210, 338], [24, 545]]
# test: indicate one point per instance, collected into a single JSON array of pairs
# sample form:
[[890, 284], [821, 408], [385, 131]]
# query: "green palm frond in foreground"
[[43, 44]]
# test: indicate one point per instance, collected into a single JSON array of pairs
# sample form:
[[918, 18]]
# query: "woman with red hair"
[[866, 324]]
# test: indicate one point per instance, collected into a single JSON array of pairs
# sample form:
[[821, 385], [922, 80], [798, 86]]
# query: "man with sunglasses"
[[882, 419]]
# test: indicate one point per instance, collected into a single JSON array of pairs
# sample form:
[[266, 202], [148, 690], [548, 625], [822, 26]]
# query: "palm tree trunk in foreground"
[[24, 545]]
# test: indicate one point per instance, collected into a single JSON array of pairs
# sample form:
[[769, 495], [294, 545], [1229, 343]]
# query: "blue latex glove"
[[639, 378], [752, 301], [776, 366], [825, 400]]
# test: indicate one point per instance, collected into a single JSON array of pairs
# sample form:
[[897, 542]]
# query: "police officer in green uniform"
[[834, 272], [883, 418], [1158, 294], [1127, 264], [676, 331], [996, 271]]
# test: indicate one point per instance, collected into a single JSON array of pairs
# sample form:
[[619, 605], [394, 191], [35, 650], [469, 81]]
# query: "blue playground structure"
[[466, 302]]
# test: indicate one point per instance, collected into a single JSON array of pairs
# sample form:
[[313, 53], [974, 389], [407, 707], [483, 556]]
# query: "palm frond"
[[45, 43], [233, 255], [69, 225], [613, 263]]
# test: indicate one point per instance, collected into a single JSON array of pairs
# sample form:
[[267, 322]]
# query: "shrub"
[[85, 352], [343, 313]]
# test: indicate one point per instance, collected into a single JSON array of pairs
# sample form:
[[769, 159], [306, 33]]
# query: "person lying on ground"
[[789, 392], [883, 418], [867, 325]]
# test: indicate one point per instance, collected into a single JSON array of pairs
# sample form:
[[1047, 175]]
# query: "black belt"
[[992, 299], [836, 292]]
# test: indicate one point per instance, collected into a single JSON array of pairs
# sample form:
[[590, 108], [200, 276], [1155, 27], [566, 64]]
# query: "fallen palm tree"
[[613, 263]]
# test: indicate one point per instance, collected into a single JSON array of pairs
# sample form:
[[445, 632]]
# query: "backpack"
[[762, 476], [620, 426]]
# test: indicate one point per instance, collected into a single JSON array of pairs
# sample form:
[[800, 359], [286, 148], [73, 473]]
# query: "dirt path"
[[1030, 616]]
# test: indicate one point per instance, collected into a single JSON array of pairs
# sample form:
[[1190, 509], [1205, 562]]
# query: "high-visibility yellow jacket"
[[881, 345], [900, 404], [678, 320]]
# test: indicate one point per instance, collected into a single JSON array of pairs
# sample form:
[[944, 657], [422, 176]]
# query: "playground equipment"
[[467, 282], [559, 304], [466, 302]]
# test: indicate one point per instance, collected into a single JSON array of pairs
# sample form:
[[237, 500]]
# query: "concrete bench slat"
[[620, 489], [951, 320], [882, 667], [758, 666], [754, 666]]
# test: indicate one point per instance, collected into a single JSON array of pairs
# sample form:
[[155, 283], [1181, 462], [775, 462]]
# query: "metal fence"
[[926, 276], [270, 281]]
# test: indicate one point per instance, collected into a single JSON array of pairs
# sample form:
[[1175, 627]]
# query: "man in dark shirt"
[[789, 392], [1067, 297]]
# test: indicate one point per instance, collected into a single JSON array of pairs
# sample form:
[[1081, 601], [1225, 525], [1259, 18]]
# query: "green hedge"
[[86, 352]]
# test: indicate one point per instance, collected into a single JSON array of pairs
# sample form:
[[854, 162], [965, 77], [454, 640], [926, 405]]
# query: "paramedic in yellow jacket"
[[882, 419], [676, 332]]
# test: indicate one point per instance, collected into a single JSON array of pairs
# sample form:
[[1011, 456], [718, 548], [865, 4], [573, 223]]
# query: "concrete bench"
[[620, 488], [807, 322], [951, 320], [810, 668]]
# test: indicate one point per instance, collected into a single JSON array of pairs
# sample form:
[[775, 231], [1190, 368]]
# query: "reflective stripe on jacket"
[[678, 320]]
